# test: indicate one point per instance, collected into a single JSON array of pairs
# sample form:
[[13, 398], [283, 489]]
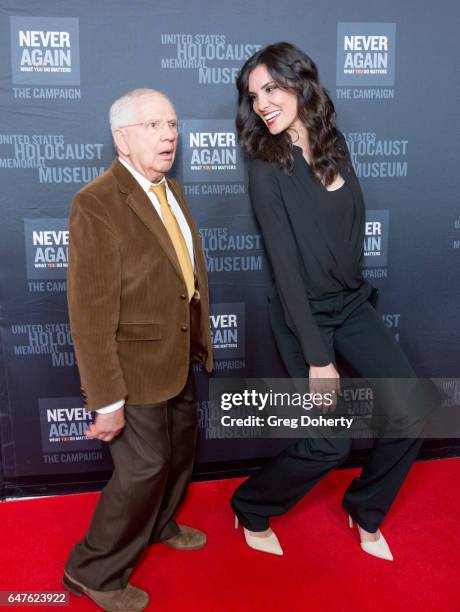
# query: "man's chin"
[[166, 163]]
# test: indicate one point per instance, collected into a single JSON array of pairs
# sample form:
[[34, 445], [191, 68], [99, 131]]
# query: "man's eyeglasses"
[[157, 126]]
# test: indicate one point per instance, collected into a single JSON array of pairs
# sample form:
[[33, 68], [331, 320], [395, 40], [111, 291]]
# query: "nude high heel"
[[269, 544], [378, 549]]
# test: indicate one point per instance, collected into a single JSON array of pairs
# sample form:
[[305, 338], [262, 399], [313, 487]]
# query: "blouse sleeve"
[[281, 249]]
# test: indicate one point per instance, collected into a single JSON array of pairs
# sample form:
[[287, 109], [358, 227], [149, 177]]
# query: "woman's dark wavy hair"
[[292, 70]]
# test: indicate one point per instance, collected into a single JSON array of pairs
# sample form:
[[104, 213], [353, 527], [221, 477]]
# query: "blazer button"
[[183, 296], [184, 328]]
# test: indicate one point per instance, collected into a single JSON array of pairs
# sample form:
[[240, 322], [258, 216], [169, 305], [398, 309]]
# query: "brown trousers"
[[153, 460]]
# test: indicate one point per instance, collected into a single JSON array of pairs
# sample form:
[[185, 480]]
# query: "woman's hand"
[[325, 379]]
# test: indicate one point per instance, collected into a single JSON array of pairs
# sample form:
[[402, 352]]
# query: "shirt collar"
[[143, 182]]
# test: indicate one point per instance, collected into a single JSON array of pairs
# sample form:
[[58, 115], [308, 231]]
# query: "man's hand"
[[107, 426], [325, 379]]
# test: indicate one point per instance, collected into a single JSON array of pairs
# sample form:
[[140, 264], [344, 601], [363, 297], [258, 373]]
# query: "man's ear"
[[120, 141]]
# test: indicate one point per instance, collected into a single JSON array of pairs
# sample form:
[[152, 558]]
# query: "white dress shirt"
[[181, 220]]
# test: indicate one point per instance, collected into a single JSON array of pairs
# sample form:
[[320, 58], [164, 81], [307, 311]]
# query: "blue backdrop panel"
[[389, 67]]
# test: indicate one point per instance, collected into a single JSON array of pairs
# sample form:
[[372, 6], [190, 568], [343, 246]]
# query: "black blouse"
[[313, 237]]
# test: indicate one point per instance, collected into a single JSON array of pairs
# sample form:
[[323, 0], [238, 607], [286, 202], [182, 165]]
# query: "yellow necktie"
[[177, 238]]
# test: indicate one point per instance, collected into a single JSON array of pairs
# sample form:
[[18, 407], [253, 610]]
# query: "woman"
[[308, 203]]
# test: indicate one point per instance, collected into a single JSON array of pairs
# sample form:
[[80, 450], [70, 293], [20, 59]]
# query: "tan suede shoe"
[[129, 599], [188, 538]]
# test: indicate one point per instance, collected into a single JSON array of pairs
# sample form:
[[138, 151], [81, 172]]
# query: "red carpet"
[[323, 568]]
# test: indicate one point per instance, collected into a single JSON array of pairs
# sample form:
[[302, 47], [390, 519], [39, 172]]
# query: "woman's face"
[[277, 107]]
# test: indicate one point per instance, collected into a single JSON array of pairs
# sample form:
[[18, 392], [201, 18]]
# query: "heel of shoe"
[[71, 586]]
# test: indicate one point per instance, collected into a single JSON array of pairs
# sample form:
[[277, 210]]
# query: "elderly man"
[[139, 313]]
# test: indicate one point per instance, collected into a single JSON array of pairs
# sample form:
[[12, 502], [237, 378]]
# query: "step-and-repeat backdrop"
[[389, 67]]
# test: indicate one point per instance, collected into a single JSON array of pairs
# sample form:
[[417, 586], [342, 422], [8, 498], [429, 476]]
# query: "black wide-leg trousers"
[[353, 329]]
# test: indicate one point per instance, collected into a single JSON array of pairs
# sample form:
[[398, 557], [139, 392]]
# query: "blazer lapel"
[[142, 207]]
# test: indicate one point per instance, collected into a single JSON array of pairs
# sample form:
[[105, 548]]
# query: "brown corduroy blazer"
[[132, 325]]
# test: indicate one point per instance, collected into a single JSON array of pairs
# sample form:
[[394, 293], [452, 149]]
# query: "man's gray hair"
[[123, 112]]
